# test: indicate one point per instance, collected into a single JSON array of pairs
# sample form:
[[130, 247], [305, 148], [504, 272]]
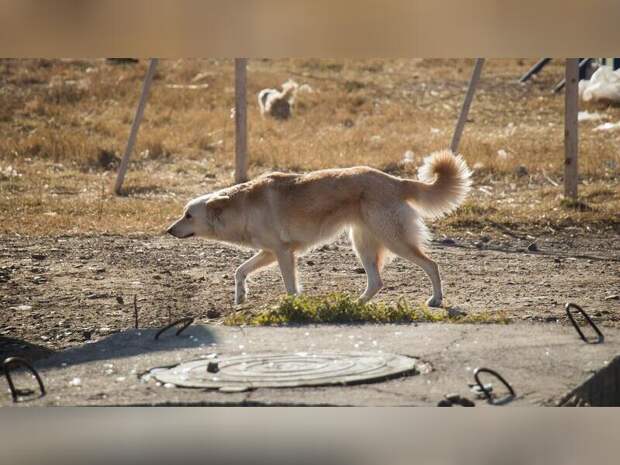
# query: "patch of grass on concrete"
[[340, 308]]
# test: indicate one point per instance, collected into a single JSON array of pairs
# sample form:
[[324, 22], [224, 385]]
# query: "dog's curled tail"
[[289, 90], [444, 181]]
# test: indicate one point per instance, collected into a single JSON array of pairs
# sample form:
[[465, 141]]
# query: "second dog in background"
[[278, 104]]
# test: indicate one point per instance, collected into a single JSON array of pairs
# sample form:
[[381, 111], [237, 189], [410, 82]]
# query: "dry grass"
[[64, 124]]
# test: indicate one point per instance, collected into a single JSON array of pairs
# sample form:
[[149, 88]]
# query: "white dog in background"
[[283, 215], [278, 104]]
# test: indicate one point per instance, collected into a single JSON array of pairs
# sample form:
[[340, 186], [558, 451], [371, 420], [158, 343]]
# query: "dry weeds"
[[64, 124]]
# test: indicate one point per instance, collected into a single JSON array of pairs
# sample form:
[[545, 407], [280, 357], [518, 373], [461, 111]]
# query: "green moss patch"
[[339, 308]]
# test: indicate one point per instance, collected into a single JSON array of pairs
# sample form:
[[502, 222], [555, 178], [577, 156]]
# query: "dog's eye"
[[188, 216]]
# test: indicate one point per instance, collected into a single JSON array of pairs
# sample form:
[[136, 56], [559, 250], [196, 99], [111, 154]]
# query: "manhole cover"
[[285, 370]]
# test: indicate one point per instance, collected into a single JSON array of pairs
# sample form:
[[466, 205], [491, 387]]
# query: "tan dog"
[[284, 215]]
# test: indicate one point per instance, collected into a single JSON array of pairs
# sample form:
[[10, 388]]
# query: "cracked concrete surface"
[[543, 362]]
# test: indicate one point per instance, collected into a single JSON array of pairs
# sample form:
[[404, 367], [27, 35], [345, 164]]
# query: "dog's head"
[[201, 217]]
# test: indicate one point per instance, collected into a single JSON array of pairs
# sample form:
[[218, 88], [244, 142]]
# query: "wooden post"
[[133, 134], [469, 96], [570, 128], [241, 127]]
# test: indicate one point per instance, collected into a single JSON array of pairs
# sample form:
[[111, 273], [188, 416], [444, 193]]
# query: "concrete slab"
[[543, 362]]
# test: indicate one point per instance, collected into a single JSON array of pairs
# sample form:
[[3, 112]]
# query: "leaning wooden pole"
[[135, 126], [469, 96], [241, 121], [571, 148]]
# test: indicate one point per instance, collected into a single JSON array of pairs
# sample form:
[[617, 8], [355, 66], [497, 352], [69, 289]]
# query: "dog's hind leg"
[[403, 233], [260, 260], [288, 268], [416, 255], [371, 253]]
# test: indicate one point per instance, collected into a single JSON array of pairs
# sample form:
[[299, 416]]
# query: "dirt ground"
[[59, 292]]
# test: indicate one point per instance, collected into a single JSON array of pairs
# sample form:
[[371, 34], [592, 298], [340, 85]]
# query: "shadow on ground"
[[12, 347], [131, 343]]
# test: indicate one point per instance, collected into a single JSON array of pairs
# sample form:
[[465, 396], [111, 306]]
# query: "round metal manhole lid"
[[236, 373]]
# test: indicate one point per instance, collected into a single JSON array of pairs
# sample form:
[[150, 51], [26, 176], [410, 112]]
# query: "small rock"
[[21, 308], [87, 334], [613, 297], [212, 313], [532, 247], [447, 241], [444, 403], [120, 300], [360, 270], [75, 382], [95, 295], [485, 239], [310, 262], [455, 312], [38, 256], [478, 245], [479, 393], [453, 397]]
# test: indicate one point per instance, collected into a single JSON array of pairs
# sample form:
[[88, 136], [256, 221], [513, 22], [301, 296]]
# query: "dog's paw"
[[433, 302]]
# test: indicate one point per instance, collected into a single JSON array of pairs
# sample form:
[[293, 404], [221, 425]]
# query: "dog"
[[284, 215], [278, 104]]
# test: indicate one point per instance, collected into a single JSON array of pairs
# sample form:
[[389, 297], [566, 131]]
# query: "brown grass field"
[[64, 125]]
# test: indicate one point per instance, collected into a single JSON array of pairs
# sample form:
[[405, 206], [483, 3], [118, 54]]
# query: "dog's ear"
[[216, 204]]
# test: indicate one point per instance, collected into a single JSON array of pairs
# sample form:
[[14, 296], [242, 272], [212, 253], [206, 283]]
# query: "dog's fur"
[[278, 104], [284, 215]]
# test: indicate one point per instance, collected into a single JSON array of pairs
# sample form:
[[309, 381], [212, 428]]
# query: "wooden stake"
[[135, 311], [571, 148], [241, 128], [469, 96], [133, 134]]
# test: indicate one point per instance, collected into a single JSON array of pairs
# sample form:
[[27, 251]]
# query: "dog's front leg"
[[261, 259], [288, 268]]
